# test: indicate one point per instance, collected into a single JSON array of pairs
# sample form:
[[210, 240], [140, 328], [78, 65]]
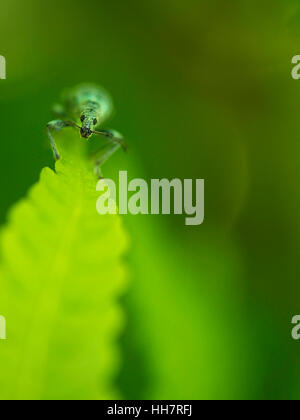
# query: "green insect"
[[87, 107]]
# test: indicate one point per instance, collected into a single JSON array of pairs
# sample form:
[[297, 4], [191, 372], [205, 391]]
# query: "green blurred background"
[[203, 89]]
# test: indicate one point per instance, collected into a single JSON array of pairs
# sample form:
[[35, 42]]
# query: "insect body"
[[86, 107]]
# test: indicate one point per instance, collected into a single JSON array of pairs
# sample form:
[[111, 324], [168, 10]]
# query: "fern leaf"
[[61, 274]]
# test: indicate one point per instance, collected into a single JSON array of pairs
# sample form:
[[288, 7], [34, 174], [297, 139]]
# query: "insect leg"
[[111, 149], [114, 136], [57, 125]]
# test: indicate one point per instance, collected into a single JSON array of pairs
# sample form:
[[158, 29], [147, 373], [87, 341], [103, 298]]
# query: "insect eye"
[[95, 121], [82, 118]]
